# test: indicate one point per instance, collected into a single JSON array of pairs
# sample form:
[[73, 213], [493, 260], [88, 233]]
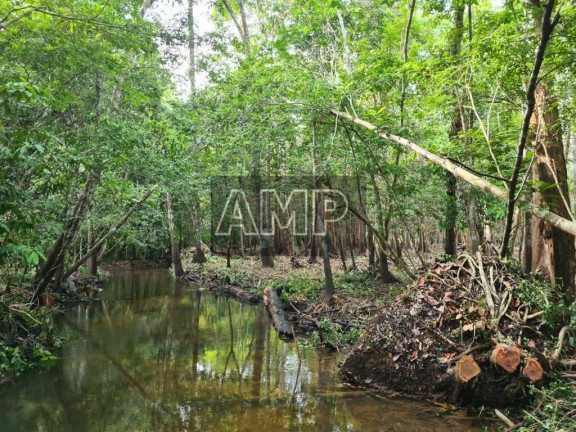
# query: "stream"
[[158, 355]]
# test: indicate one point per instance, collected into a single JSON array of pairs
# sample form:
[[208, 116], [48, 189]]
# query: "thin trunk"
[[527, 244], [245, 30], [342, 250], [326, 244], [266, 252], [228, 249], [371, 250], [406, 38], [515, 230], [92, 263], [314, 240], [242, 28], [382, 257], [175, 247], [574, 171], [351, 248], [191, 48], [347, 55], [451, 216], [545, 32], [473, 226], [450, 233], [265, 248]]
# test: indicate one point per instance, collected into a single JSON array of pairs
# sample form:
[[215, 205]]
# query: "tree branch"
[[541, 213], [4, 24], [112, 230]]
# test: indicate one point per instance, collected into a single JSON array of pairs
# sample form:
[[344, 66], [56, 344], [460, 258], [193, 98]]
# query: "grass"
[[296, 284]]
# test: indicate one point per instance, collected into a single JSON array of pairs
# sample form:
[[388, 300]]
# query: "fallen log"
[[508, 357], [274, 307]]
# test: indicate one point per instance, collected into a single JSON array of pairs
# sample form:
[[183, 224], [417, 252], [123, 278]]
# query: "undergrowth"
[[553, 409], [28, 336]]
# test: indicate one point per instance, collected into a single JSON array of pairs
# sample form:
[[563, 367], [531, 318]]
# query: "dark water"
[[160, 356]]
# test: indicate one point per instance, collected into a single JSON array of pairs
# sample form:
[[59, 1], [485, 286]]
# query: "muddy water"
[[158, 356]]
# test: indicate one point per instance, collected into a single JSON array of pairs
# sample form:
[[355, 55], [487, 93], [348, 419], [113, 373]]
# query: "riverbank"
[[360, 296], [442, 338], [28, 337], [154, 348]]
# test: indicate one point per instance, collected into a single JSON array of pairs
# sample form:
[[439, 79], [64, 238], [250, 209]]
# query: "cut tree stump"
[[532, 370], [507, 357], [274, 307], [467, 369]]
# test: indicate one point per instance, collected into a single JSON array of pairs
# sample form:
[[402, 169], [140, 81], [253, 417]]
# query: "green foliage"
[[538, 295], [356, 283], [239, 277], [29, 338], [553, 409], [334, 336], [297, 288]]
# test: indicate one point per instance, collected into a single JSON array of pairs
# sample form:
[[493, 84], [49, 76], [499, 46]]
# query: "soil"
[[414, 345]]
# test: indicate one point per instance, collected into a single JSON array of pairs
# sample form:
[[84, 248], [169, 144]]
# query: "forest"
[[393, 180]]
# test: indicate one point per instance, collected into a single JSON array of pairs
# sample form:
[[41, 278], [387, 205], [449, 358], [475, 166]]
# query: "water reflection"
[[154, 355]]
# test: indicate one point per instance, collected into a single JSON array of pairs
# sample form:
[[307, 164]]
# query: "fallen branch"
[[553, 219], [558, 350]]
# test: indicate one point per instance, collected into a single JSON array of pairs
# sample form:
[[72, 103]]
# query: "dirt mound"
[[461, 335]]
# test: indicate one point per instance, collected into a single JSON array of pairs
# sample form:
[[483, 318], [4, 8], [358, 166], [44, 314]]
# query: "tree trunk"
[[371, 250], [91, 263], [473, 225], [198, 257], [382, 256], [351, 248], [573, 144], [175, 247], [451, 215], [342, 249], [241, 27], [102, 242], [55, 259], [456, 128], [274, 307], [544, 26], [552, 249], [326, 244], [191, 48]]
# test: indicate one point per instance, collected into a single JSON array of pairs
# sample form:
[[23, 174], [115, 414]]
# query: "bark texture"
[[553, 250]]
